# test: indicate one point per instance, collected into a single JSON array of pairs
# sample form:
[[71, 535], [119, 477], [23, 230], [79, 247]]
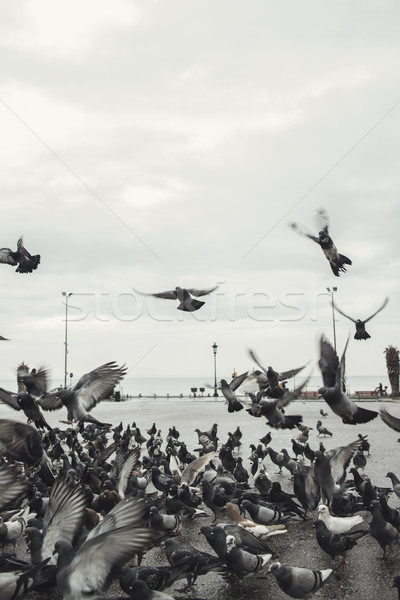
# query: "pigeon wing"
[[328, 362], [21, 441], [128, 466], [340, 380], [257, 361], [90, 570], [196, 292], [10, 485], [344, 314], [63, 516], [289, 396], [290, 373], [238, 380], [192, 469], [341, 460], [167, 295], [9, 398], [93, 386], [6, 257], [377, 311], [389, 419], [322, 220]]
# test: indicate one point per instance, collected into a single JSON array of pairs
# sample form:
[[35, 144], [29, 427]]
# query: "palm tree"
[[392, 365]]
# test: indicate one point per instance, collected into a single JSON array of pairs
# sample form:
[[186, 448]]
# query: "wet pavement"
[[364, 574]]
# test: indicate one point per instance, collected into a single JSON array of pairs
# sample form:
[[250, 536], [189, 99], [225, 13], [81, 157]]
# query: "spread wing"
[[389, 419], [322, 220], [93, 387], [6, 257], [344, 314], [9, 398], [238, 380], [289, 396], [377, 311], [192, 469], [342, 458], [290, 373], [128, 466], [340, 380], [257, 360], [64, 514], [167, 295], [197, 292], [35, 382], [10, 485], [89, 571], [328, 362]]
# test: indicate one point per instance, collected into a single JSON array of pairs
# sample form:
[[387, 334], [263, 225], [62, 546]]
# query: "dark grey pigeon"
[[184, 295], [337, 261], [21, 257], [272, 378], [299, 582], [334, 389], [385, 534], [361, 333]]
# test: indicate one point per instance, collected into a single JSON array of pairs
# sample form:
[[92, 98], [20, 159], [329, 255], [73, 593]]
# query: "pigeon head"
[[323, 510], [274, 567]]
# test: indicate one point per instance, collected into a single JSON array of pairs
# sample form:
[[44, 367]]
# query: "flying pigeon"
[[86, 393], [337, 261], [184, 295], [21, 257], [272, 378], [361, 333], [333, 390]]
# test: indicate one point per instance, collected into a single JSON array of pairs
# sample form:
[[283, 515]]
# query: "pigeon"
[[338, 524], [15, 584], [323, 413], [305, 487], [185, 297], [330, 469], [276, 417], [361, 333], [20, 258], [193, 562], [22, 442], [258, 530], [90, 389], [263, 515], [140, 590], [333, 390], [157, 578], [28, 404], [336, 544], [385, 534], [322, 430], [242, 563], [273, 377], [337, 261], [164, 522], [299, 582], [234, 405]]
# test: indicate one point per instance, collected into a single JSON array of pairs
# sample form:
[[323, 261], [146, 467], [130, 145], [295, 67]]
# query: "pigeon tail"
[[361, 335], [190, 305]]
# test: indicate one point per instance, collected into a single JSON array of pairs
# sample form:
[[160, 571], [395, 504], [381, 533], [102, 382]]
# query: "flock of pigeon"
[[92, 500]]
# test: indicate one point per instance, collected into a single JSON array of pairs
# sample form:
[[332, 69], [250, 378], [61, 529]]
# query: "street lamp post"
[[332, 291], [214, 347], [66, 338]]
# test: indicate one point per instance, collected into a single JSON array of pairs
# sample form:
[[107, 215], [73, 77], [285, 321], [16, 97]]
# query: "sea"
[[204, 386]]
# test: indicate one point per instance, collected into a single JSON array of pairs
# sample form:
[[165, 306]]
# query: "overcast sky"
[[153, 144]]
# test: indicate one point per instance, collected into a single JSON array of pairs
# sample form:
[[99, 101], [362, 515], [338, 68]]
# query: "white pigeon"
[[338, 524]]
